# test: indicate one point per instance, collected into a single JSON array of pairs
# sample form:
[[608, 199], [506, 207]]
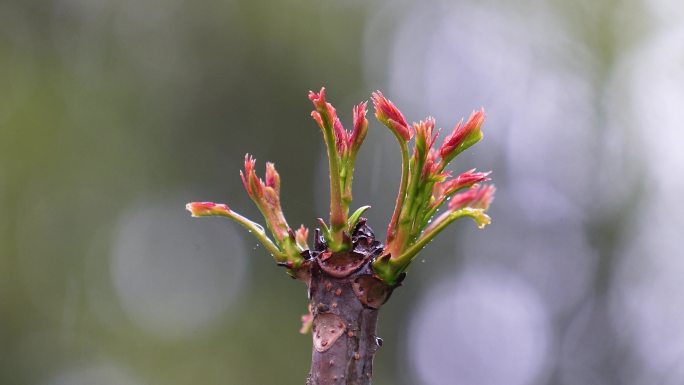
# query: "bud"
[[266, 196], [476, 197], [390, 116], [205, 209], [431, 168], [326, 118], [424, 138], [317, 117], [465, 180], [253, 185], [272, 177], [360, 127], [423, 151], [324, 114], [301, 236], [307, 323], [341, 137], [463, 136], [470, 177]]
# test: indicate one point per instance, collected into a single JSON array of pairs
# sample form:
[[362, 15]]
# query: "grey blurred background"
[[113, 114]]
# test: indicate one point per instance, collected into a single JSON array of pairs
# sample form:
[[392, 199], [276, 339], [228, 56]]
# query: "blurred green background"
[[114, 114]]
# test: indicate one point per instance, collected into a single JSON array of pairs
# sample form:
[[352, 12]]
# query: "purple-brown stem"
[[344, 297]]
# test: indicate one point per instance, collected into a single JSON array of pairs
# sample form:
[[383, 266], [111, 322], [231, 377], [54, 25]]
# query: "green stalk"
[[418, 213], [257, 230], [426, 217], [407, 219], [347, 178], [392, 228], [338, 215], [397, 265]]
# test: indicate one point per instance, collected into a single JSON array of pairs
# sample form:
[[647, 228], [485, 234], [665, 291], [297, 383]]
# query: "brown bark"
[[344, 297]]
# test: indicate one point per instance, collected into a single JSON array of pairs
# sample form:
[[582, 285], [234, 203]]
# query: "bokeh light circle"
[[483, 328], [174, 274], [647, 307]]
